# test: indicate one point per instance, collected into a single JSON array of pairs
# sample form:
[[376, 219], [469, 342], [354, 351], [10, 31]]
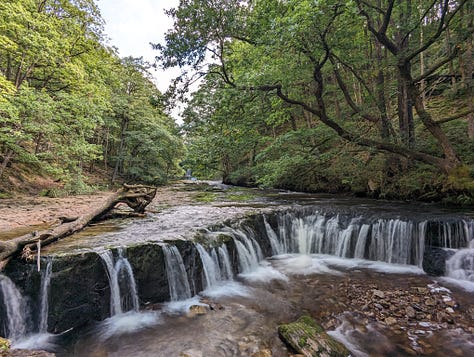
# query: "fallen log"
[[136, 197]]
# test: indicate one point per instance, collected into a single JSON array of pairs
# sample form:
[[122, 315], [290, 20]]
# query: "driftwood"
[[135, 196]]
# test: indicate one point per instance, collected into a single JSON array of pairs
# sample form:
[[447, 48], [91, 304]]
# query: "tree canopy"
[[68, 103], [330, 94]]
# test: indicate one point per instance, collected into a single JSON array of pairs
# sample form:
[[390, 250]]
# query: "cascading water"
[[272, 236], [44, 293], [123, 289], [461, 265], [390, 240], [211, 270], [15, 308], [225, 265], [176, 274], [216, 265]]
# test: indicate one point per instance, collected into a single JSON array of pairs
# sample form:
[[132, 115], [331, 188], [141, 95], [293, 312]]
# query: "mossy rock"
[[310, 339], [4, 344]]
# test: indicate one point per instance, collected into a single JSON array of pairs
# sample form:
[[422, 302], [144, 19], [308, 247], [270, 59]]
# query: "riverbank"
[[23, 213]]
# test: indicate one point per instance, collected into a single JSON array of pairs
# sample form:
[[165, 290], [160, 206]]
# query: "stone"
[[410, 312], [449, 310], [430, 302], [29, 353], [196, 310], [308, 338], [378, 293], [390, 320], [4, 344], [191, 353], [434, 260], [262, 353]]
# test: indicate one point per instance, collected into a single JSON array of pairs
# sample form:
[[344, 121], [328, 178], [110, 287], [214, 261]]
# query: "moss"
[[308, 338], [205, 197], [461, 179], [240, 197], [4, 344]]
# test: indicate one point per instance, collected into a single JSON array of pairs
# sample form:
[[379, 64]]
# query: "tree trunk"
[[6, 160], [468, 81], [120, 150], [451, 158], [135, 196], [405, 103]]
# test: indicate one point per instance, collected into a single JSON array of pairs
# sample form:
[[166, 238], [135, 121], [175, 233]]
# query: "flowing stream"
[[176, 273], [44, 304], [254, 274], [16, 310], [123, 289]]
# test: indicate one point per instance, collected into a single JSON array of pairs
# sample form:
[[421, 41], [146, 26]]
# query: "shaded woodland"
[[70, 106], [373, 97]]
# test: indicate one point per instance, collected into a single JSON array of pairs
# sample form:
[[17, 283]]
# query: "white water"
[[226, 267], [272, 236], [461, 265], [120, 274], [15, 307], [394, 240], [128, 322], [44, 294], [210, 269], [176, 274], [249, 252]]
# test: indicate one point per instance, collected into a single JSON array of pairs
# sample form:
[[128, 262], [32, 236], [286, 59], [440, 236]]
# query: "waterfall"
[[226, 267], [216, 265], [461, 264], [392, 240], [176, 274], [44, 294], [248, 255], [343, 246], [362, 241], [15, 308], [272, 236], [123, 290], [211, 270]]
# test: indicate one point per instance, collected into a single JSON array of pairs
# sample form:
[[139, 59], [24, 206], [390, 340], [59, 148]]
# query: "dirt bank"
[[22, 214]]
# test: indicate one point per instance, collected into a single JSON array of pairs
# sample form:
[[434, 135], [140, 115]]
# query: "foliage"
[[329, 95], [64, 96]]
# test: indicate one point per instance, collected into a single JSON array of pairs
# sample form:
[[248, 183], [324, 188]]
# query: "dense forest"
[[373, 97], [369, 96], [70, 106]]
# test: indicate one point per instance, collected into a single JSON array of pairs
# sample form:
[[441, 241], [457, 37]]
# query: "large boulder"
[[434, 260], [308, 338]]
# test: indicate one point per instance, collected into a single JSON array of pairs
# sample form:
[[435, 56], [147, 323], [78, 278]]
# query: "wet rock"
[[410, 312], [29, 353], [191, 353], [378, 293], [430, 302], [262, 353], [390, 321], [196, 310], [434, 260], [308, 338]]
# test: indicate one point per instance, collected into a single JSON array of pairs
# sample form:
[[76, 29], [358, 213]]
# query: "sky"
[[132, 24]]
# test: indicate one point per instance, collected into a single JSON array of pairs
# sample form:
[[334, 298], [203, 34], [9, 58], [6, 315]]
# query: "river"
[[217, 278]]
